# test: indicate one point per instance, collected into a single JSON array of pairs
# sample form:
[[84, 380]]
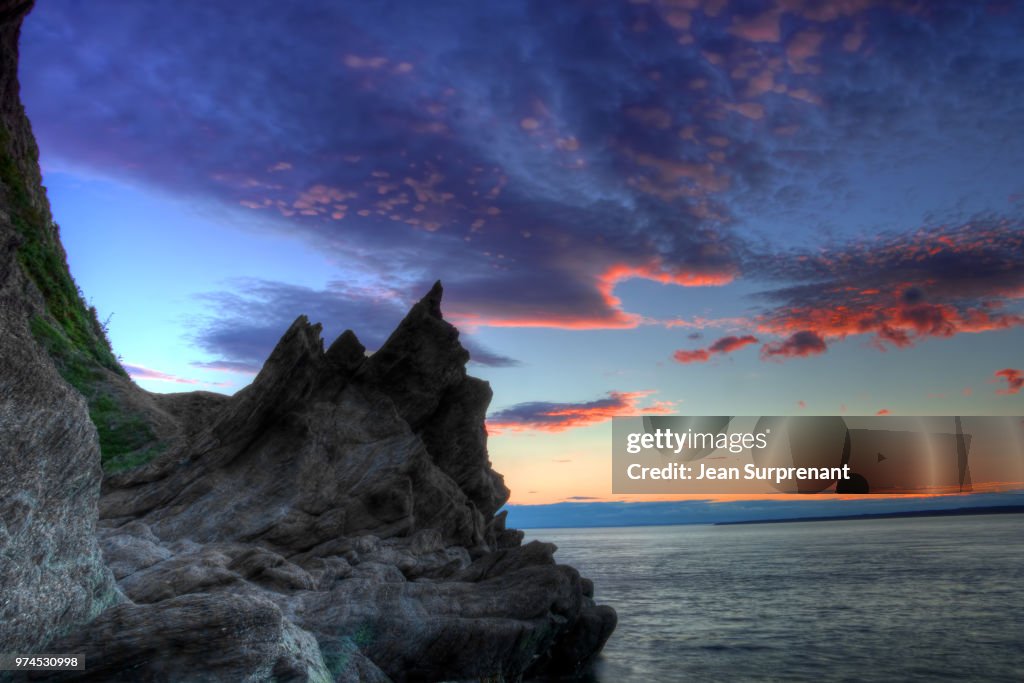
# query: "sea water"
[[873, 600]]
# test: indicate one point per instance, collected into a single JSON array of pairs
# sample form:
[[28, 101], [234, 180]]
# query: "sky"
[[680, 207]]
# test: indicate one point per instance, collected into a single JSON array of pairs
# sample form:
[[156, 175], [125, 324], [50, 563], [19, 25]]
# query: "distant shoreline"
[[948, 512]]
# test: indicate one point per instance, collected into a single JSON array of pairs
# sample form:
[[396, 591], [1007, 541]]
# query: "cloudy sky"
[[719, 207]]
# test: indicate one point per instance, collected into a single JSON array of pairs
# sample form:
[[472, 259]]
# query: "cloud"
[[482, 356], [249, 325], [883, 411], [559, 417], [721, 346], [694, 356], [1014, 379], [221, 365], [536, 161], [138, 372], [802, 343], [899, 288], [732, 343]]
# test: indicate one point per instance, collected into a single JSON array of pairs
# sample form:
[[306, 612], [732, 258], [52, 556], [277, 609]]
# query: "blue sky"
[[722, 207]]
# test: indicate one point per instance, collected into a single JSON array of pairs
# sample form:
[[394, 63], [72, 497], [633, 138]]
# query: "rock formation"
[[52, 575], [337, 520], [352, 494]]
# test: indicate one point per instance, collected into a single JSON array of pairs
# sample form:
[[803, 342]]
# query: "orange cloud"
[[1014, 380], [695, 356], [559, 417], [721, 346]]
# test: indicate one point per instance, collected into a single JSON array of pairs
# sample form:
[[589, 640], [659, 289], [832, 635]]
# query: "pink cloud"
[[139, 372], [762, 28], [1014, 380], [723, 345]]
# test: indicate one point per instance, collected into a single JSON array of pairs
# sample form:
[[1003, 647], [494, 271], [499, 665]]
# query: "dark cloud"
[[535, 155], [482, 356], [803, 343], [250, 324]]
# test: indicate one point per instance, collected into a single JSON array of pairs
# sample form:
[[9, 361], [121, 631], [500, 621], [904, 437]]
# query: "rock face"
[[52, 575], [355, 494], [337, 520]]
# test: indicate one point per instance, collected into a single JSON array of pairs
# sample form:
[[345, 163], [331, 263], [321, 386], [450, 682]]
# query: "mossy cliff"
[[60, 320]]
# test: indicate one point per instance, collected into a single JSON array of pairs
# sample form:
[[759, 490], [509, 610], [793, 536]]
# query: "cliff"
[[336, 520], [130, 427], [52, 574]]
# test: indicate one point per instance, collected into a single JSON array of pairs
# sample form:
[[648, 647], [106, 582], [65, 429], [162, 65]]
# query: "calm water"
[[882, 600]]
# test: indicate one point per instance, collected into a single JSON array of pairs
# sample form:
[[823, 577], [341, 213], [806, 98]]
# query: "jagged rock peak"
[[346, 351], [420, 360], [432, 301]]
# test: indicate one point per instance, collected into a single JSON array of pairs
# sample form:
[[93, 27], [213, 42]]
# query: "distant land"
[[949, 512], [586, 513]]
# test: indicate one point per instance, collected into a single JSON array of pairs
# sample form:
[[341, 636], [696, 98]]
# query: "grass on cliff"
[[42, 259], [126, 439], [70, 331]]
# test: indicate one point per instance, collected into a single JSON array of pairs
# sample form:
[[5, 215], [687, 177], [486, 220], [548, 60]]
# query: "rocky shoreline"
[[337, 520]]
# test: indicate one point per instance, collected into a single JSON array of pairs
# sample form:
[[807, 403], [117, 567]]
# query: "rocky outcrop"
[[355, 493], [337, 520], [52, 574]]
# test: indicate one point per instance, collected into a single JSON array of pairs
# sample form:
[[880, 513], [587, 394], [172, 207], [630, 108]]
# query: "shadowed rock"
[[356, 494]]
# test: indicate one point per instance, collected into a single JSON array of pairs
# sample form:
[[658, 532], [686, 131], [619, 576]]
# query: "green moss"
[[126, 440], [42, 259], [128, 460], [70, 331]]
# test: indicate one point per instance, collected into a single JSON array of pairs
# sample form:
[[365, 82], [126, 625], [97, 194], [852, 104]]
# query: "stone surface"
[[52, 575]]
